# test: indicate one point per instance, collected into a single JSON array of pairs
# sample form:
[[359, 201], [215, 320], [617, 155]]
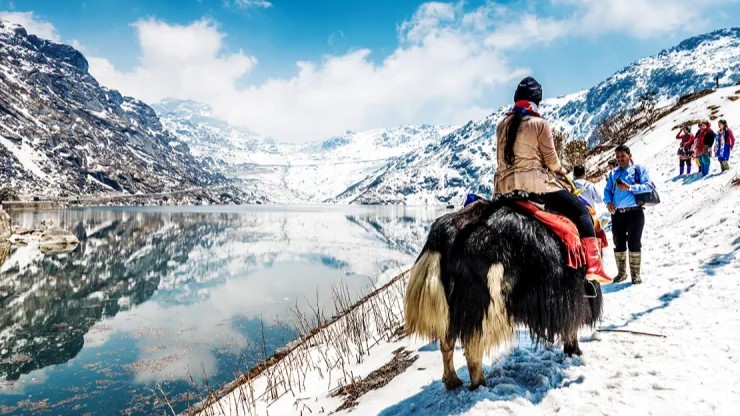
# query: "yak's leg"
[[570, 344], [449, 377], [474, 357]]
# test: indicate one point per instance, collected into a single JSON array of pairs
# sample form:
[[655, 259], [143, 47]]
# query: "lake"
[[174, 300]]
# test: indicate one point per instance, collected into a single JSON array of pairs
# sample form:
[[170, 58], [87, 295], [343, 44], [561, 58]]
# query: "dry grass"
[[687, 123], [734, 97], [326, 347]]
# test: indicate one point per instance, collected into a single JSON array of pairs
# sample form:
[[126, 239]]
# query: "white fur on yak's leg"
[[425, 310], [497, 327]]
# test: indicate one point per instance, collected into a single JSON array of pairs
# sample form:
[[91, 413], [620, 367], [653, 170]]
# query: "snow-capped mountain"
[[464, 160], [289, 173], [63, 133], [207, 137], [440, 172], [690, 66]]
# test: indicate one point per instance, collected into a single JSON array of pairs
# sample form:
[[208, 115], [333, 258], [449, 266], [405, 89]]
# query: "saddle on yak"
[[558, 224]]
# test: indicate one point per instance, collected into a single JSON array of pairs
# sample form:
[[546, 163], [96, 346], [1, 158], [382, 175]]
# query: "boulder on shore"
[[58, 240]]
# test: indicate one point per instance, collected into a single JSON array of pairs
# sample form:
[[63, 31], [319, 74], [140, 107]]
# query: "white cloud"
[[441, 73], [245, 4], [639, 18], [447, 62], [176, 61], [528, 30], [32, 24]]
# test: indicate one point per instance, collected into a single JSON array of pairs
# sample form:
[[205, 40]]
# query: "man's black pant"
[[569, 205], [627, 230]]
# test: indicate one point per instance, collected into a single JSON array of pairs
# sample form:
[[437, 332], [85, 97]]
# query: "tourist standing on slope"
[[589, 194], [685, 152], [723, 146], [703, 146], [628, 218], [527, 160]]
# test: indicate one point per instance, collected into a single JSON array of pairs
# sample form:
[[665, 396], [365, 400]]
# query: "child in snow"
[[724, 144], [685, 151]]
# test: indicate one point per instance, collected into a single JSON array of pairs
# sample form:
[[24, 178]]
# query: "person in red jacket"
[[703, 146], [724, 144], [685, 151]]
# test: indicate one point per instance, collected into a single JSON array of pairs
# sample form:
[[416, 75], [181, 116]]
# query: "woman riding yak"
[[494, 265], [527, 161]]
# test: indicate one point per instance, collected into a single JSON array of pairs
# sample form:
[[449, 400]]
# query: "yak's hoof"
[[572, 350], [451, 383], [475, 385]]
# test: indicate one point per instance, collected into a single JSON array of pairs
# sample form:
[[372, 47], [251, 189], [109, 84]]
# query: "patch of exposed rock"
[[5, 230], [51, 240]]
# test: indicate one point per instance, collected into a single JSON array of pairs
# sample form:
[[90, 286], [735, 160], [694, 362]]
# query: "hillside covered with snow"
[[675, 354], [290, 173], [63, 133], [464, 161]]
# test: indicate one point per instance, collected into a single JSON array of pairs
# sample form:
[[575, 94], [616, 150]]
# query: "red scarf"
[[525, 108]]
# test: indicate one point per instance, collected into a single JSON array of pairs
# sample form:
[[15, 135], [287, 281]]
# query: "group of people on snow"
[[704, 145], [527, 161]]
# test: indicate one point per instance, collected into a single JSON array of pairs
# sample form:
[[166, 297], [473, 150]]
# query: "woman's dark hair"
[[511, 132], [527, 90], [723, 122]]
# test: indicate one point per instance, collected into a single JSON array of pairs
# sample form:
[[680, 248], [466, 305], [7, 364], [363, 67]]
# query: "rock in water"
[[58, 240]]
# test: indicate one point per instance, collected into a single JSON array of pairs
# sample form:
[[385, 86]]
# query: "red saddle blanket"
[[564, 229]]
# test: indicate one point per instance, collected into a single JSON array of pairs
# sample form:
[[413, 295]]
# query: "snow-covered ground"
[[691, 274]]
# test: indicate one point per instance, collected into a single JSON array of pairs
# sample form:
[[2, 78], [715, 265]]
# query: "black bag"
[[646, 199], [685, 151]]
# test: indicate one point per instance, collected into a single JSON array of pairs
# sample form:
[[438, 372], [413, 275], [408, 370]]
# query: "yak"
[[486, 269]]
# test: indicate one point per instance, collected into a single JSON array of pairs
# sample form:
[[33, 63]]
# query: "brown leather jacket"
[[535, 158]]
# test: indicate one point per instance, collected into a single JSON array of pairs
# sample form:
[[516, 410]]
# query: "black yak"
[[487, 268]]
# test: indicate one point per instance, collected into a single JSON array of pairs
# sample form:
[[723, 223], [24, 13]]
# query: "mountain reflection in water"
[[157, 296]]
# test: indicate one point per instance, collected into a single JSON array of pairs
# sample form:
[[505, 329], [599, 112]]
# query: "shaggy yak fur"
[[486, 269]]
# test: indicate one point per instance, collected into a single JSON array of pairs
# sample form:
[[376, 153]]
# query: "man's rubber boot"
[[595, 269], [635, 260], [621, 257]]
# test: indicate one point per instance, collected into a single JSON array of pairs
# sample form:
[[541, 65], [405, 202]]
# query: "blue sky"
[[362, 64]]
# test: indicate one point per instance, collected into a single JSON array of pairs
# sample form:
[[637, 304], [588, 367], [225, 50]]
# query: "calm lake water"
[[172, 298]]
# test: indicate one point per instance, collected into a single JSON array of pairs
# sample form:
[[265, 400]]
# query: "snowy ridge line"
[[329, 348]]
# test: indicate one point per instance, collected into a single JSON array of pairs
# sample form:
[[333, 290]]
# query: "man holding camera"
[[628, 218]]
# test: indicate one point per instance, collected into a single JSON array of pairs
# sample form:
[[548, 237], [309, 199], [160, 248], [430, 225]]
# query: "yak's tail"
[[426, 310]]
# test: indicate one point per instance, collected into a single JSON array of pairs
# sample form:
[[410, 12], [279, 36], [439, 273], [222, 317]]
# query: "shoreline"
[[303, 345]]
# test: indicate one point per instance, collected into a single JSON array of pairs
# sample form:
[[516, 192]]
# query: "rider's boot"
[[595, 269]]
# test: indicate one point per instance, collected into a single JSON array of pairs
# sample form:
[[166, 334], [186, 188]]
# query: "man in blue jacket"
[[628, 218]]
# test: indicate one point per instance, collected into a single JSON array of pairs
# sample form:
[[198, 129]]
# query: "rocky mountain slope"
[[63, 133], [463, 161]]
